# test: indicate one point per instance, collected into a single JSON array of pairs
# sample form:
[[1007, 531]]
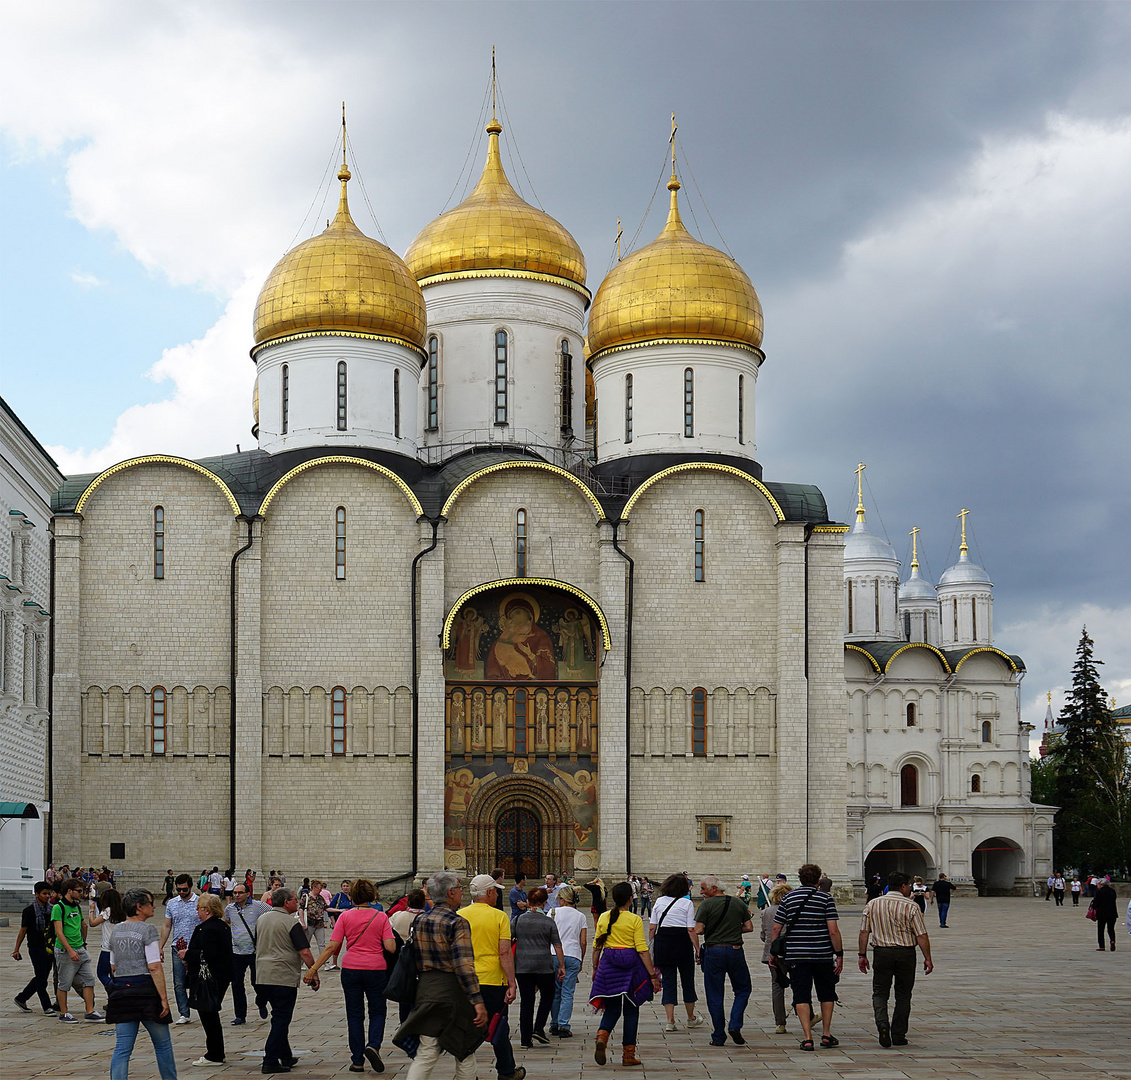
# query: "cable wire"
[[364, 193], [320, 188], [517, 149], [475, 140], [687, 162]]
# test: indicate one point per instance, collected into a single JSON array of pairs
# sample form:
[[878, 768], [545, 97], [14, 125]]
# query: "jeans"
[[896, 964], [562, 1009], [282, 1000], [162, 1047], [103, 969], [361, 986], [179, 984], [612, 1013], [504, 1054], [241, 963], [429, 1055], [719, 963], [943, 909], [543, 984], [213, 1035], [41, 964]]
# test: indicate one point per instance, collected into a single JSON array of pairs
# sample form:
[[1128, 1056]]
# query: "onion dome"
[[916, 587], [964, 572], [496, 233], [675, 289], [341, 281], [861, 545]]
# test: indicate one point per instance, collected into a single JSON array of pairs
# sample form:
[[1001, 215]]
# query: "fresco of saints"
[[457, 720], [581, 791], [499, 719], [542, 720], [469, 630], [478, 720], [523, 650], [561, 720], [575, 639], [584, 721], [460, 789]]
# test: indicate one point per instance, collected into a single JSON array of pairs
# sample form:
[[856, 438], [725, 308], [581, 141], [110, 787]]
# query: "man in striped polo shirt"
[[813, 952], [895, 925]]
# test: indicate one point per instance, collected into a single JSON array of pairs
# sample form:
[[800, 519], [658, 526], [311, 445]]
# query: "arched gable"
[[343, 459], [714, 466], [525, 463], [156, 459]]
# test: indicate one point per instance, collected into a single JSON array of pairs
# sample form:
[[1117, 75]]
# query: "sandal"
[[829, 1040], [807, 1045]]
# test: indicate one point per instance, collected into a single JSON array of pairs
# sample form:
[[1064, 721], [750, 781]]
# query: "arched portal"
[[898, 853], [995, 865], [522, 660]]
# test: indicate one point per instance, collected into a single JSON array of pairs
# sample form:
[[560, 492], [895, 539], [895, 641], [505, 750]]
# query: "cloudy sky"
[[931, 199]]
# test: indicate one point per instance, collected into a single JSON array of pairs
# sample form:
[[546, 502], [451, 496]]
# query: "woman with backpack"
[[675, 947]]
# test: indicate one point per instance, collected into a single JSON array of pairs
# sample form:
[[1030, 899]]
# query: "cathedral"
[[503, 584]]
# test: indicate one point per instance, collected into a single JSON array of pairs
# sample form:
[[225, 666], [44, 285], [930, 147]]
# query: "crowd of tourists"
[[454, 964]]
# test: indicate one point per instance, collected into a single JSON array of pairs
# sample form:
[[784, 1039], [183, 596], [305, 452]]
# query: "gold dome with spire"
[[341, 281], [495, 233], [675, 289]]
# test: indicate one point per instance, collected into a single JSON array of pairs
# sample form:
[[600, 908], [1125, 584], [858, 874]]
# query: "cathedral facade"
[[502, 584]]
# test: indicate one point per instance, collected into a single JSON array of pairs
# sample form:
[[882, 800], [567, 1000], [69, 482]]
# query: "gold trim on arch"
[[158, 459], [871, 658], [284, 338], [919, 645], [722, 342], [714, 465], [522, 275], [504, 583], [990, 649], [343, 459], [522, 463]]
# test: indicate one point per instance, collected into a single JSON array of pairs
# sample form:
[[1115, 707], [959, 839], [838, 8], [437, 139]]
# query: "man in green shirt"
[[72, 961], [721, 922]]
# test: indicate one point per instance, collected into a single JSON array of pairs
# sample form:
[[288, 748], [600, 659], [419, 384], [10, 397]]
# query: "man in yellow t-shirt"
[[494, 967]]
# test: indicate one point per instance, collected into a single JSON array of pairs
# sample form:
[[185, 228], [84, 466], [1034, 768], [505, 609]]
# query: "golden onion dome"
[[341, 281], [495, 233], [675, 289]]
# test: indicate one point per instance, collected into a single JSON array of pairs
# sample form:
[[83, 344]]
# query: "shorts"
[[74, 973], [805, 977]]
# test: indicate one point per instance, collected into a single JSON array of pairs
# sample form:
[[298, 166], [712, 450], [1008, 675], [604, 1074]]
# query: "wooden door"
[[518, 839]]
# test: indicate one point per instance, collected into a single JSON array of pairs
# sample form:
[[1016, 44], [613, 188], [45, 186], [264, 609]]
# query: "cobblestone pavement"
[[1019, 991]]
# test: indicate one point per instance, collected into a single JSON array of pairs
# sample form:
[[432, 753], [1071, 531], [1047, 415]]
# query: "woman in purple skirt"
[[623, 974]]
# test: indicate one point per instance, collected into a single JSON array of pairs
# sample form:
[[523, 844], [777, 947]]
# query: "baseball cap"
[[481, 883]]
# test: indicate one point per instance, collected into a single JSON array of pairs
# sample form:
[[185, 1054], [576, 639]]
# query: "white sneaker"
[[207, 1061], [182, 1020], [671, 1026], [695, 1021]]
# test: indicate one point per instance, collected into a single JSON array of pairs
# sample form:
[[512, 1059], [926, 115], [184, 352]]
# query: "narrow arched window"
[[741, 409], [628, 408], [396, 404], [433, 384], [567, 388], [159, 542], [912, 719], [688, 403], [973, 619], [699, 721], [909, 786], [699, 530], [338, 721], [520, 722], [500, 377], [956, 618], [340, 544], [157, 714], [341, 395], [876, 615], [975, 784], [851, 602], [987, 731], [520, 544], [286, 397]]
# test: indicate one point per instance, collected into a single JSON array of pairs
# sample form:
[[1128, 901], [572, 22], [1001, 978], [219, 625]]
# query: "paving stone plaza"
[[1018, 992]]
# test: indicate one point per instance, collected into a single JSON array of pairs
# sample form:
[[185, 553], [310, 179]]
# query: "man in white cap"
[[494, 967]]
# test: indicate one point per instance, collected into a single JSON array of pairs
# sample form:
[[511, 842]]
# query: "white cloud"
[[85, 280]]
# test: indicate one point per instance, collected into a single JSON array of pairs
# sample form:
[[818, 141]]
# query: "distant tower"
[[1050, 725], [871, 578], [918, 602], [966, 602]]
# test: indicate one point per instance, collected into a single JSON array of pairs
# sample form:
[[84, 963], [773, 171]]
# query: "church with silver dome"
[[503, 584]]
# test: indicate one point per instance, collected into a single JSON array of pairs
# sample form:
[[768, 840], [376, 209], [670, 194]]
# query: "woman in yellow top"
[[623, 974]]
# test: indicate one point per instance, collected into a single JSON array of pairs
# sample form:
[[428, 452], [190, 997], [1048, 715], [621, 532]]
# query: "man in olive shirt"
[[722, 920], [281, 948]]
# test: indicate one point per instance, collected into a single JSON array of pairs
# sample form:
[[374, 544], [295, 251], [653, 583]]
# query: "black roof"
[[882, 652]]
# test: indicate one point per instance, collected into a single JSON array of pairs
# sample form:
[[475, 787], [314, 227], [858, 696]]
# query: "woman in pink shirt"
[[369, 941]]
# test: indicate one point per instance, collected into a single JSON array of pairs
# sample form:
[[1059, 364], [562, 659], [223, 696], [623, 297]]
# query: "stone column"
[[67, 812], [248, 691], [430, 688], [612, 765]]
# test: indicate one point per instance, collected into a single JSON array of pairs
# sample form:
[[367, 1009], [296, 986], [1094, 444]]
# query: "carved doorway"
[[518, 840]]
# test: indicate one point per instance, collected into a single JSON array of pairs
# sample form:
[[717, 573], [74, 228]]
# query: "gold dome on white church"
[[495, 233], [675, 289], [341, 280]]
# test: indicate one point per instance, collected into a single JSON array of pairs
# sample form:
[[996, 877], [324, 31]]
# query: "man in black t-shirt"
[[37, 928], [940, 894]]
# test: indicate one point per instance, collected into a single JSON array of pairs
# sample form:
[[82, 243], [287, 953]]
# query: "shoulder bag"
[[204, 994], [777, 946], [401, 986], [663, 952]]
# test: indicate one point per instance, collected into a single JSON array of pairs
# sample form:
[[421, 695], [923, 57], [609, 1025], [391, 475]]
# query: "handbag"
[[401, 986], [778, 946], [1092, 914], [204, 994]]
